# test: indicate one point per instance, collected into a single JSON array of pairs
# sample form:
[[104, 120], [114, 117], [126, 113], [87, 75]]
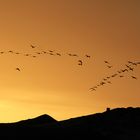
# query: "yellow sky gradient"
[[58, 86]]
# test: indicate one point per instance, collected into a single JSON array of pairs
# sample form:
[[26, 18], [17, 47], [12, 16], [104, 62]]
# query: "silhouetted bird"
[[44, 51], [92, 89], [10, 51], [50, 51], [102, 83], [130, 62], [17, 53], [109, 82], [104, 79], [69, 54], [17, 69], [119, 71], [131, 68], [80, 62], [95, 87], [58, 54], [127, 65], [135, 64], [27, 54], [124, 70], [1, 52], [134, 77], [74, 55], [114, 75], [33, 46], [88, 56], [106, 62], [38, 53], [109, 66]]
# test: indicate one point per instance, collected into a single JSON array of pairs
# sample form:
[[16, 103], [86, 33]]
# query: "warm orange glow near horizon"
[[57, 85]]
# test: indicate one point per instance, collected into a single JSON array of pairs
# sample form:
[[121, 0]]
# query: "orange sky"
[[58, 86]]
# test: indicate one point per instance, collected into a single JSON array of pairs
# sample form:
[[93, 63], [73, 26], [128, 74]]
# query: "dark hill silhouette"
[[116, 124], [40, 120]]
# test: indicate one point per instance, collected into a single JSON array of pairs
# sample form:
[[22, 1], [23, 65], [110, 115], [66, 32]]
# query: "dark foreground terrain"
[[115, 124]]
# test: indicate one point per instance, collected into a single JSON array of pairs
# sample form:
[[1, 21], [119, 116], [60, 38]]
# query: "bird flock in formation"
[[129, 66], [47, 52]]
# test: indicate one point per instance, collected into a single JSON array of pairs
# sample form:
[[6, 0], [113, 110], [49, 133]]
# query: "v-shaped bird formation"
[[130, 66], [120, 73]]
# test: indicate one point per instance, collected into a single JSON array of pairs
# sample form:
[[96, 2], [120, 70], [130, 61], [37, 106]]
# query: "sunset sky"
[[107, 30]]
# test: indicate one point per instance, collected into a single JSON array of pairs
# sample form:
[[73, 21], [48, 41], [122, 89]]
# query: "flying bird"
[[44, 51], [17, 53], [10, 51], [107, 77], [124, 70], [109, 66], [27, 54], [119, 71], [80, 62], [134, 64], [102, 83], [131, 68], [58, 54], [69, 54], [106, 62], [92, 89], [50, 51], [109, 82], [38, 53], [134, 77], [130, 62], [88, 56], [114, 75], [74, 55], [128, 66], [104, 79], [32, 46], [18, 69]]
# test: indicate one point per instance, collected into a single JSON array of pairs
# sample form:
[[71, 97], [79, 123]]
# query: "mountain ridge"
[[117, 124]]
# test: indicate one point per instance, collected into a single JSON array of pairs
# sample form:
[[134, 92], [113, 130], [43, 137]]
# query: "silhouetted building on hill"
[[116, 124], [107, 109]]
